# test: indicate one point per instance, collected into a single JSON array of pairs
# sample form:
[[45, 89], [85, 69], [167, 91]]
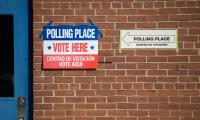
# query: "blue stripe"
[[66, 32]]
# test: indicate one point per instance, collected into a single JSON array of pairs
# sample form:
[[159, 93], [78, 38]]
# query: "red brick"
[[51, 5], [138, 86], [194, 72], [106, 5], [188, 93], [191, 3], [146, 92], [85, 5], [148, 4], [146, 66], [147, 11], [157, 72], [43, 93], [115, 72], [126, 5], [179, 17], [84, 12], [111, 33], [146, 25], [126, 12], [126, 66], [126, 79], [169, 66], [96, 113], [159, 4], [53, 73], [148, 106], [137, 5], [117, 112], [138, 113], [115, 59], [64, 12], [105, 106], [63, 80], [178, 72], [105, 92], [116, 98], [146, 52], [55, 113], [126, 92], [137, 18], [63, 106], [182, 113], [189, 10], [136, 59], [54, 99], [84, 79], [190, 106], [127, 86], [106, 52], [75, 113], [136, 72], [105, 79], [188, 118], [126, 118], [126, 106], [43, 12], [82, 1], [168, 25], [117, 19], [170, 4], [196, 113], [96, 99], [190, 66], [116, 5], [43, 106], [178, 59], [85, 93], [50, 86], [179, 99], [189, 24], [159, 113], [168, 93], [180, 4], [106, 12], [158, 18], [137, 99], [158, 99], [169, 106], [105, 118], [188, 52], [125, 25], [74, 19], [195, 99], [74, 99], [168, 10]]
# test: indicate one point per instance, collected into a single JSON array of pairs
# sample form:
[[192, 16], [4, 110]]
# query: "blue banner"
[[66, 32]]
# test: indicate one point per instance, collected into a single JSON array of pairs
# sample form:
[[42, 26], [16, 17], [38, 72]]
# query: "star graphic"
[[92, 47], [49, 47]]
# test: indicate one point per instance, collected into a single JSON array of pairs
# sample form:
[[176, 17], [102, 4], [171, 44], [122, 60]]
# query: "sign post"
[[70, 47]]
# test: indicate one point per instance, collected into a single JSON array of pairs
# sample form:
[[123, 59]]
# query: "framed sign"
[[70, 47]]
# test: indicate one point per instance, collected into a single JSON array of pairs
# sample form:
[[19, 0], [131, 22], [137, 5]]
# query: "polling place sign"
[[148, 39], [70, 47]]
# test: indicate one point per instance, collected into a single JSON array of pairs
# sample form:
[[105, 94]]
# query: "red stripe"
[[69, 62]]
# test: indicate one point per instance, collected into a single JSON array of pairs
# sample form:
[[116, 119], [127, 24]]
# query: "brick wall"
[[136, 84]]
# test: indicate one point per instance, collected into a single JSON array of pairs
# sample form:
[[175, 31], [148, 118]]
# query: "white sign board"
[[148, 39]]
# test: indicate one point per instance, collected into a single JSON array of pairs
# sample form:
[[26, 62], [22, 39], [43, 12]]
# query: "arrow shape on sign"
[[127, 38]]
